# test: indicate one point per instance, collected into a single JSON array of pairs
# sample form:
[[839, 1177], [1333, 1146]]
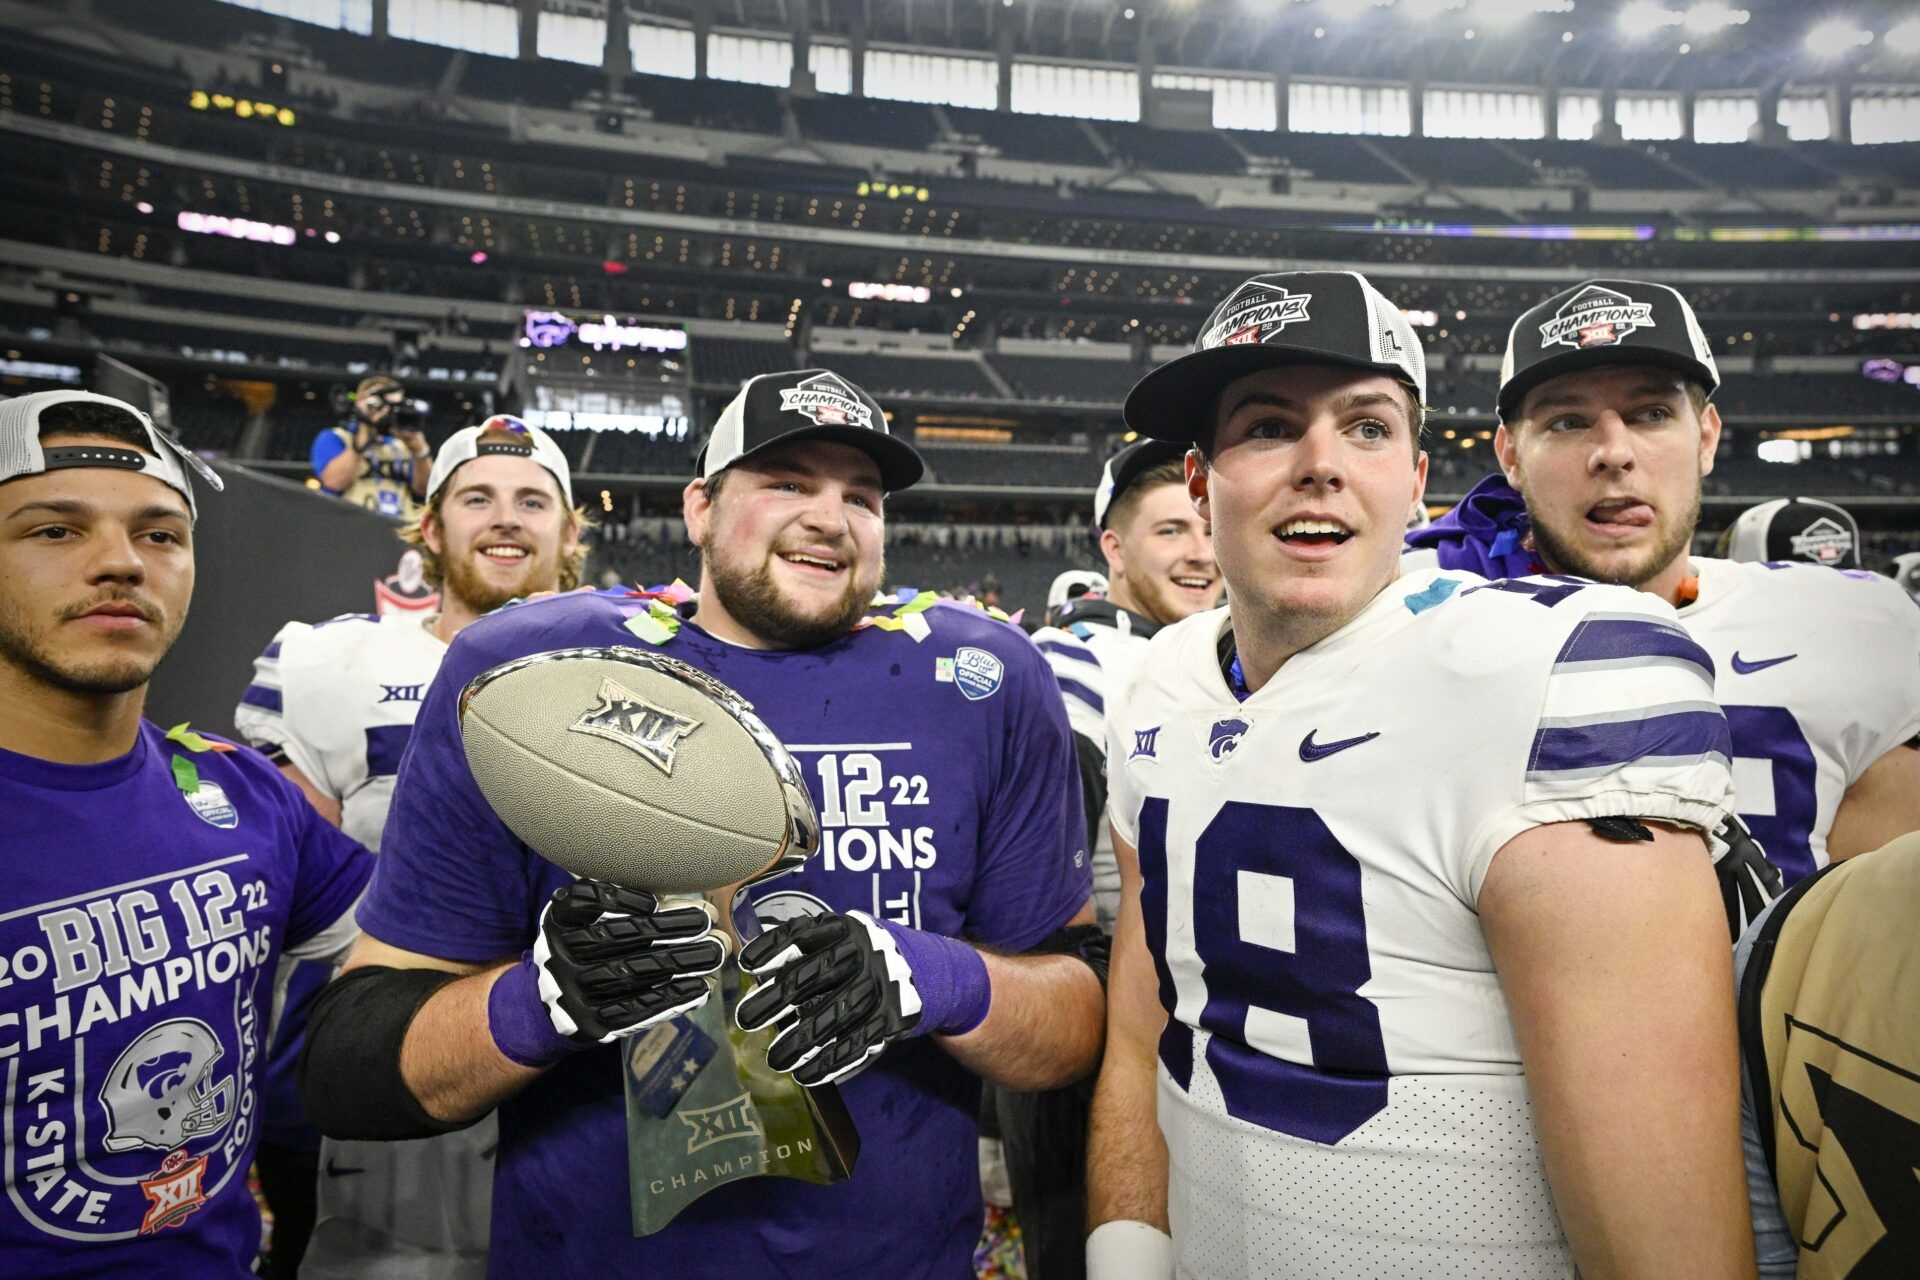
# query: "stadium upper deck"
[[421, 200]]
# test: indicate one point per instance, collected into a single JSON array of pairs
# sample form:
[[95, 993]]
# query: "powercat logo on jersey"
[[1596, 317], [1225, 736], [1825, 541], [623, 716], [826, 401], [1255, 313]]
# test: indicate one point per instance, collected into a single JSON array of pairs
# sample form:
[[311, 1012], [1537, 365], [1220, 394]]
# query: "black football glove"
[[839, 989], [611, 961], [1748, 882]]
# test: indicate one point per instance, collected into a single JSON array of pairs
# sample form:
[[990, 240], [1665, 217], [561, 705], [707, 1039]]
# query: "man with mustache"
[[155, 880], [919, 725], [1606, 429], [333, 705], [1402, 856]]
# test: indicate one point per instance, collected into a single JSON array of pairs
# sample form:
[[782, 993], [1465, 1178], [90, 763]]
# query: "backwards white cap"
[[21, 454], [464, 445]]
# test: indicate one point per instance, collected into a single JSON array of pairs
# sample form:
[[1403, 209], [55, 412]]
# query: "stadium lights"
[[1835, 37], [1709, 16], [1904, 37], [1417, 10], [1644, 17]]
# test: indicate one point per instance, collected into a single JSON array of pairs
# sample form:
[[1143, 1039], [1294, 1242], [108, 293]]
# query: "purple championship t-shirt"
[[945, 779], [140, 927]]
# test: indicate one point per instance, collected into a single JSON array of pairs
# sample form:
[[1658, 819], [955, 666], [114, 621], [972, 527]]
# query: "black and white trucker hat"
[[807, 404], [1796, 529], [167, 460], [483, 440], [1292, 317], [1127, 466], [1600, 323]]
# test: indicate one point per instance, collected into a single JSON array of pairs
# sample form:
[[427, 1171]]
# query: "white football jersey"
[[339, 697], [1819, 674], [1340, 1087], [1093, 657]]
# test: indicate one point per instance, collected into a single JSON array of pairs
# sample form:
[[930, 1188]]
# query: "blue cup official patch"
[[977, 673], [211, 803]]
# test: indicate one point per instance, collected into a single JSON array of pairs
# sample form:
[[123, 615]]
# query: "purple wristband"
[[517, 1018], [951, 978]]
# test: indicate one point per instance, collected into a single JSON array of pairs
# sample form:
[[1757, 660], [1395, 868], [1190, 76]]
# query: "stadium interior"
[[995, 215]]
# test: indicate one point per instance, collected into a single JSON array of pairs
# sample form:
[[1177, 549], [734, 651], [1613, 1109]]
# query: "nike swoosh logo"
[[1745, 668], [340, 1171], [1311, 750]]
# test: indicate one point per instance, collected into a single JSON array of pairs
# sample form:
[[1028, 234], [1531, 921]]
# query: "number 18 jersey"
[[1340, 1087]]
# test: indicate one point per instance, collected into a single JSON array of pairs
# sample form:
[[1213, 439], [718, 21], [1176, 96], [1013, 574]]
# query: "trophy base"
[[704, 1109]]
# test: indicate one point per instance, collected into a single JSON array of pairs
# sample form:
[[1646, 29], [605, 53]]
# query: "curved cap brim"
[[1177, 400], [1515, 389]]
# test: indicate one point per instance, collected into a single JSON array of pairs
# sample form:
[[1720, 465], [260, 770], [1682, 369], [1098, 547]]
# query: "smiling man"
[[1606, 432], [154, 880], [333, 705], [1402, 856], [952, 880]]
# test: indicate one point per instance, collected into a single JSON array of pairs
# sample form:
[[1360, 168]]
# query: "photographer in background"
[[379, 458]]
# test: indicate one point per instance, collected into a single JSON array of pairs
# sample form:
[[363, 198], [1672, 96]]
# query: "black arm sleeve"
[[350, 1081], [1093, 784]]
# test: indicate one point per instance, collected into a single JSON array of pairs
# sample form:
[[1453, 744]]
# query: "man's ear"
[[430, 532], [1507, 450], [1710, 427], [1197, 474], [696, 508], [1115, 551]]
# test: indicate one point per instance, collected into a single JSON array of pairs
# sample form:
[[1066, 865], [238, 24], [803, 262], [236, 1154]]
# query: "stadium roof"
[[1628, 44]]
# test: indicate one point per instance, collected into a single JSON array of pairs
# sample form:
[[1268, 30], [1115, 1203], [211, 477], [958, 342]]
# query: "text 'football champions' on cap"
[[1293, 317], [468, 443], [1795, 529], [1127, 466], [808, 404], [1601, 323], [167, 460]]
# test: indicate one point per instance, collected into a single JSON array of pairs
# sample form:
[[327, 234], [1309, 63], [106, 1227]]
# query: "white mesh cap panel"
[[20, 437], [728, 440], [1392, 338]]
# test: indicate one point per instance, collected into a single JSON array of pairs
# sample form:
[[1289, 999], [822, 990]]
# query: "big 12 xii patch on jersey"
[[1340, 1087]]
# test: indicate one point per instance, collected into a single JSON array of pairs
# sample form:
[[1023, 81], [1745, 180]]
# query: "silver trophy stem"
[[704, 1108]]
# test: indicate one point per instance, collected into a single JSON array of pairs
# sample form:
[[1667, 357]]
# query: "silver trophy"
[[628, 766]]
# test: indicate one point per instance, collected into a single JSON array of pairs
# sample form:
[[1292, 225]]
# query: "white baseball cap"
[[21, 454], [464, 445]]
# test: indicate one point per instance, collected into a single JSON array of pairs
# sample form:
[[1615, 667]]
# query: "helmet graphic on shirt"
[[160, 1092]]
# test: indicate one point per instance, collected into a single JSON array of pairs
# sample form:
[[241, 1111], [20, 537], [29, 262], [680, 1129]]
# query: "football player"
[[154, 880], [1160, 569], [1606, 428], [333, 706], [1420, 967], [1830, 1039], [943, 915]]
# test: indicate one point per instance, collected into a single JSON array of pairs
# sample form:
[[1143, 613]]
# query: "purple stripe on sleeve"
[[1596, 748], [258, 695], [1074, 689], [1622, 640], [1068, 651]]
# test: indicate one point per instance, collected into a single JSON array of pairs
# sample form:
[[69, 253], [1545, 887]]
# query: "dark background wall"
[[266, 550]]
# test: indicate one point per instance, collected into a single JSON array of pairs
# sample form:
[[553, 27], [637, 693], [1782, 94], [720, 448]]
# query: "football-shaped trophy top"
[[628, 766]]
